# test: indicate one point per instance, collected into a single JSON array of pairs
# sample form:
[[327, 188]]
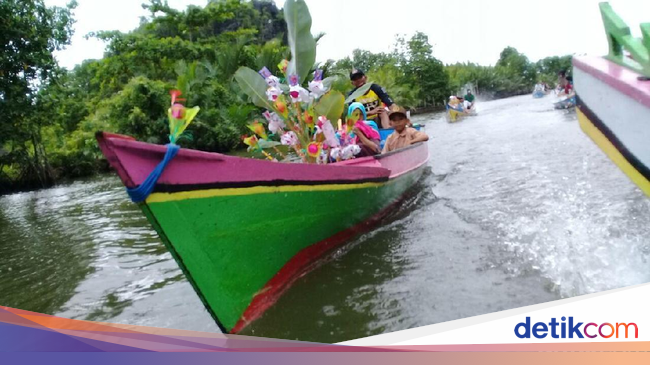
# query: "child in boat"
[[365, 132], [403, 136], [367, 139]]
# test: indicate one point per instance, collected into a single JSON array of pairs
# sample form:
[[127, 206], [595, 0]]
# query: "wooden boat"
[[454, 115], [567, 103], [243, 230], [613, 98]]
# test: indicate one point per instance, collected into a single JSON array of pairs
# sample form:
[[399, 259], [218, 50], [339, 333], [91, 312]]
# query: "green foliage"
[[140, 110], [254, 86], [301, 42], [29, 33], [389, 76], [331, 105], [50, 116], [512, 75], [410, 73]]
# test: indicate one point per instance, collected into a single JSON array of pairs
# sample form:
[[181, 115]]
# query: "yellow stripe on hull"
[[601, 140], [208, 193]]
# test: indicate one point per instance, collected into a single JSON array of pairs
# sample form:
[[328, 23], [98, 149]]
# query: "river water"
[[518, 207]]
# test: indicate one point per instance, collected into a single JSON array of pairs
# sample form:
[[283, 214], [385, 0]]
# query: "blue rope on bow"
[[141, 193]]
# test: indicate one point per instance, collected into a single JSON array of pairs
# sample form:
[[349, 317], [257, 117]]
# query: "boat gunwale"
[[107, 142], [616, 76]]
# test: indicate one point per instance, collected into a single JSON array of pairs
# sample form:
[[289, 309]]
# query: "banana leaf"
[[359, 92], [254, 86], [331, 105], [301, 42]]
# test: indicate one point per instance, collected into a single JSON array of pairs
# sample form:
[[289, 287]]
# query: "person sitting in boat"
[[566, 83], [455, 104], [376, 100], [469, 97], [403, 136], [467, 105], [364, 133]]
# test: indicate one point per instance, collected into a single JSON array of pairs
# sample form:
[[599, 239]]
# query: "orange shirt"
[[400, 140]]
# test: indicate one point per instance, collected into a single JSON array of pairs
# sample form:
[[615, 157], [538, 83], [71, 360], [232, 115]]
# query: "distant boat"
[[566, 103], [243, 230], [613, 99], [457, 114]]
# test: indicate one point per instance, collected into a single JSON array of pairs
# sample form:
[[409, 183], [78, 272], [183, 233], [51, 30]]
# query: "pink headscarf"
[[367, 130]]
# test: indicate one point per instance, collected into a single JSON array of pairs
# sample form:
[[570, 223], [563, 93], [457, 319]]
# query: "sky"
[[460, 31]]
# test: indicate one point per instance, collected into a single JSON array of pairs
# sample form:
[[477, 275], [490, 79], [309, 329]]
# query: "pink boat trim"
[[616, 76], [196, 170], [135, 160]]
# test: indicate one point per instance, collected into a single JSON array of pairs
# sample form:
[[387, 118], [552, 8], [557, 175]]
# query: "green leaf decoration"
[[328, 81], [331, 105], [254, 86], [301, 42], [267, 144], [360, 92]]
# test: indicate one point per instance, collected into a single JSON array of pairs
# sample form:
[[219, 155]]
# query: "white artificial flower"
[[276, 123], [289, 139], [272, 81], [299, 94], [272, 93], [317, 89]]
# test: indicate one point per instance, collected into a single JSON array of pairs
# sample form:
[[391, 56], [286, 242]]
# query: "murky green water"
[[518, 207]]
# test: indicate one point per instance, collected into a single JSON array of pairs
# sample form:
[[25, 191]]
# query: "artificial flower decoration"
[[271, 80], [178, 111], [175, 96], [282, 66], [258, 129], [276, 124], [298, 93], [272, 93], [281, 106], [314, 149], [328, 132], [179, 116], [345, 153], [251, 142], [289, 139], [316, 87], [308, 117], [293, 111]]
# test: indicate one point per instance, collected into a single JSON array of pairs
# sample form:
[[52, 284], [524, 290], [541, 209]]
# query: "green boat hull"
[[231, 246]]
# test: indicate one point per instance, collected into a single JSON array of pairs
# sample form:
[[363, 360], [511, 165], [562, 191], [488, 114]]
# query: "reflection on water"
[[518, 208], [84, 251]]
